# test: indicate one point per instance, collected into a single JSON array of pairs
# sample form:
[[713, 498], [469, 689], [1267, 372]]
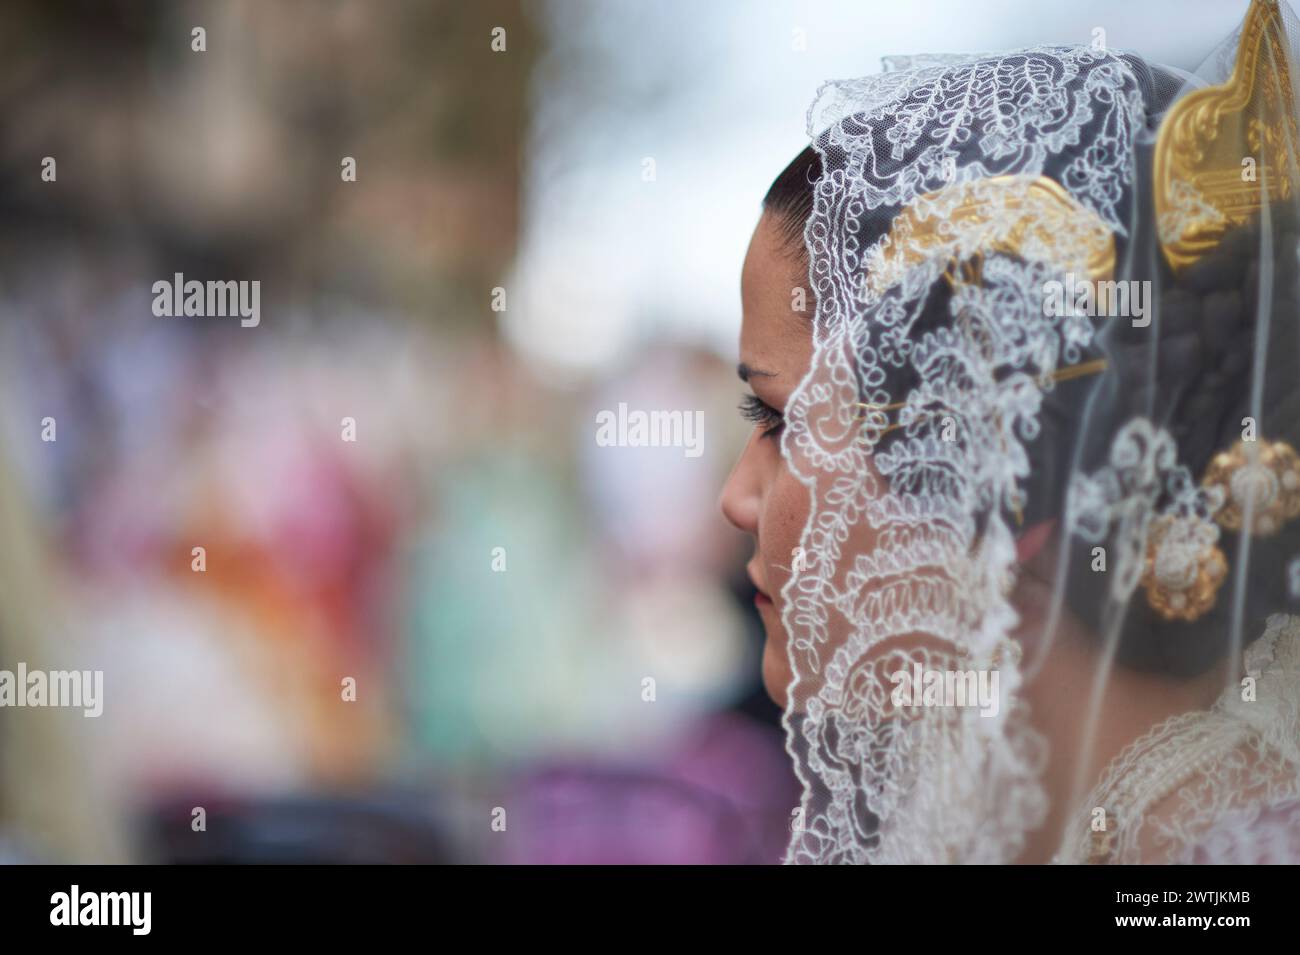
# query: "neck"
[[1059, 696]]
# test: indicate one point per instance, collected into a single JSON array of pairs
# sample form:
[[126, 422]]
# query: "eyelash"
[[771, 421]]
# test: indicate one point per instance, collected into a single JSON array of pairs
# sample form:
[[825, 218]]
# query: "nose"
[[740, 497]]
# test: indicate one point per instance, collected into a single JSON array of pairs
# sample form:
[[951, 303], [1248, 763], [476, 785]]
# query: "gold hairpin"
[[1068, 373]]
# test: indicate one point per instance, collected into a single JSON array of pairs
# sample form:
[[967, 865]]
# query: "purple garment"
[[724, 794]]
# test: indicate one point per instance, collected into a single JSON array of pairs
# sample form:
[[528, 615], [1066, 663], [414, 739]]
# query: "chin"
[[776, 670]]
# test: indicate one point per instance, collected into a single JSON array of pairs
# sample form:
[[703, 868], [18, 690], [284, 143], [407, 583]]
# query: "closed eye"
[[768, 419]]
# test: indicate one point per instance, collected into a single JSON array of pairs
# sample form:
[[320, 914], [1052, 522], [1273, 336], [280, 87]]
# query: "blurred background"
[[473, 633]]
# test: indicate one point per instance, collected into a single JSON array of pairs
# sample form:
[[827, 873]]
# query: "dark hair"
[[790, 197]]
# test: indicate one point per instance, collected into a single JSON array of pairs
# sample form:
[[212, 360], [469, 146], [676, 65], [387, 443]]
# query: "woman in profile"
[[1020, 335]]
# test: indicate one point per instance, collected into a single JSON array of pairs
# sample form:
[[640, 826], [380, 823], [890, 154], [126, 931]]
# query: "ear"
[[1033, 540]]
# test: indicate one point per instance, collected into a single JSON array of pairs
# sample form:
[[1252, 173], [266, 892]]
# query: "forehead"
[[774, 335]]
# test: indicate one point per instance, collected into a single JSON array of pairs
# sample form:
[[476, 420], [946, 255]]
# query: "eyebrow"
[[745, 372]]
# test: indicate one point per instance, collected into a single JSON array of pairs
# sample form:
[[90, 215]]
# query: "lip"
[[760, 596]]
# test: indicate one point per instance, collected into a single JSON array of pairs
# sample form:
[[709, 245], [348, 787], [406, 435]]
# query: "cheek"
[[785, 512]]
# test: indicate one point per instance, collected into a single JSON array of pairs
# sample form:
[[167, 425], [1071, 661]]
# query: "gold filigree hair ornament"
[[1031, 217], [1260, 478], [1184, 567]]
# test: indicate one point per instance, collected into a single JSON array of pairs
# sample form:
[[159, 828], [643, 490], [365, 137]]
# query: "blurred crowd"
[[455, 630]]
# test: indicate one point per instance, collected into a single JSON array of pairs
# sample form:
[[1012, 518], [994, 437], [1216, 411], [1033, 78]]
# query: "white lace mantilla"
[[912, 541]]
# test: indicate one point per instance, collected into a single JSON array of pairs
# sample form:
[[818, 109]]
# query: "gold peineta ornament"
[[1223, 150]]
